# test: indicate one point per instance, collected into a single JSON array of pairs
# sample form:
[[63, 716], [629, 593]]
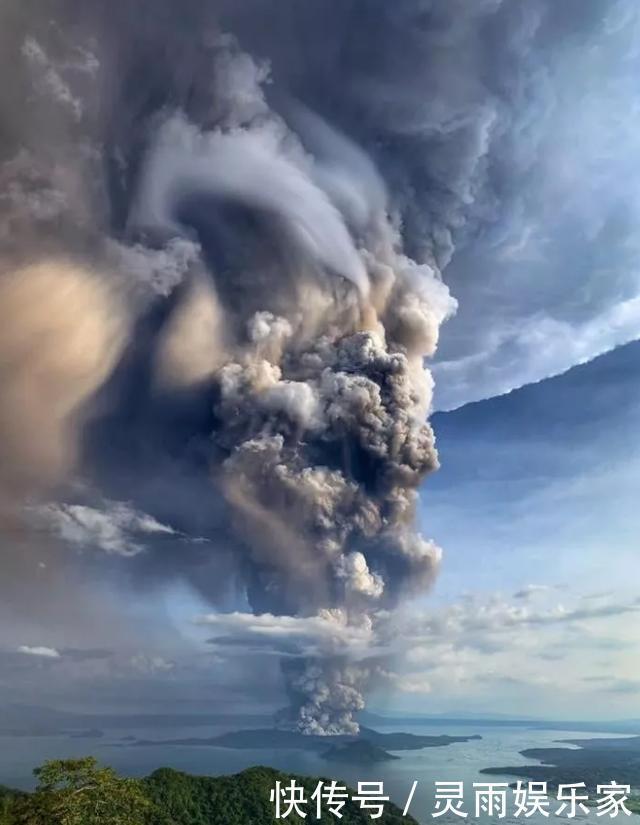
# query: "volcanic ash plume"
[[325, 695], [320, 438], [271, 400]]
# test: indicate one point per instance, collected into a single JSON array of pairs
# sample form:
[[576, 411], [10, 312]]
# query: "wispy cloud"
[[39, 652], [114, 527], [330, 632]]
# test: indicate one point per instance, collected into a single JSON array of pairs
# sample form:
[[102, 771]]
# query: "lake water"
[[456, 762]]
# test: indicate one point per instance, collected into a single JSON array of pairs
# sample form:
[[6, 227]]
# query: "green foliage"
[[8, 799], [243, 799], [80, 792]]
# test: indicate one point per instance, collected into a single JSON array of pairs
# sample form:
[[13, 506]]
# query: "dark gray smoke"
[[273, 190]]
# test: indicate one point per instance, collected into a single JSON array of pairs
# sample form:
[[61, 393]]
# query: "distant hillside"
[[592, 761]]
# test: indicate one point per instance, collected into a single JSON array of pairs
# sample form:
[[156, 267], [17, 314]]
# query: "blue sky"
[[542, 481], [535, 505]]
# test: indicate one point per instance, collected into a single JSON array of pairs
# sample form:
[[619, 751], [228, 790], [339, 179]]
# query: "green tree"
[[81, 792], [6, 806]]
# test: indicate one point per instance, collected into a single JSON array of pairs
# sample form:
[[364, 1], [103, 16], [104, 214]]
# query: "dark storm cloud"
[[245, 214], [481, 115]]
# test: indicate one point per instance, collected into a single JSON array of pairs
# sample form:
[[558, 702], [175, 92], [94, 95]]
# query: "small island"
[[360, 752], [86, 734], [279, 739]]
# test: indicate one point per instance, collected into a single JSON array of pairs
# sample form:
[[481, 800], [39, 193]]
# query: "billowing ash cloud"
[[272, 190], [61, 332], [325, 694], [328, 660]]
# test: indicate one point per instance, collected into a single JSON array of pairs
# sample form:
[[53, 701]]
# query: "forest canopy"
[[82, 792]]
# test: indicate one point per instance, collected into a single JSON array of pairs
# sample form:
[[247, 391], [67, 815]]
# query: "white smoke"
[[256, 167]]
